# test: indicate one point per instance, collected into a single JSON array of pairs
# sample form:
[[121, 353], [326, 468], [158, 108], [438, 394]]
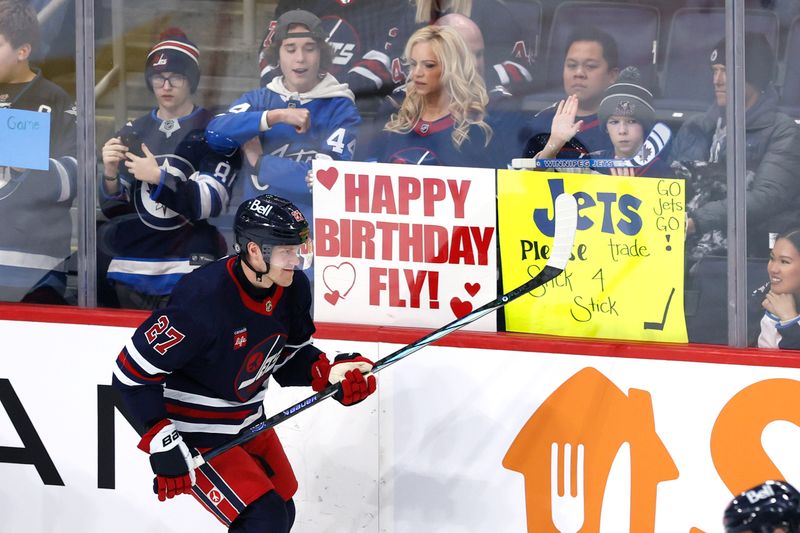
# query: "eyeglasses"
[[176, 81]]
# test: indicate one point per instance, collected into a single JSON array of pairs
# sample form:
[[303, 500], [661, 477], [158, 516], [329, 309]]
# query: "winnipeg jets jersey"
[[367, 38], [430, 143], [159, 232], [35, 204], [287, 155], [204, 360]]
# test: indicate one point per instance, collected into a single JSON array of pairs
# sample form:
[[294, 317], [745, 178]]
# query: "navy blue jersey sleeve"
[[163, 343], [207, 192]]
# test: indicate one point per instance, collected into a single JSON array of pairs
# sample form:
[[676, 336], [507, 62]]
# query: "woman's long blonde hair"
[[428, 9], [460, 78]]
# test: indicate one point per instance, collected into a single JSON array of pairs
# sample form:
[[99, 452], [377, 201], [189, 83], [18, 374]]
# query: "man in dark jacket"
[[772, 181], [772, 159]]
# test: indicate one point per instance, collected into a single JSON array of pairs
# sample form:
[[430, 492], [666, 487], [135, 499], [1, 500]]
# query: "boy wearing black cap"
[[162, 182], [34, 204], [303, 114]]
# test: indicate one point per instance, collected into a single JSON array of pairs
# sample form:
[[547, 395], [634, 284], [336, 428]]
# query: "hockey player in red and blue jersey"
[[162, 182], [195, 373], [34, 204], [301, 115]]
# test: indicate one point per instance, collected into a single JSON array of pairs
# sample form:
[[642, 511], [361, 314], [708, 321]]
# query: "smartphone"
[[133, 142]]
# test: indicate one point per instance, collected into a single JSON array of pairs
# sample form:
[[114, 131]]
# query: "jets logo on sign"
[[239, 338], [162, 60]]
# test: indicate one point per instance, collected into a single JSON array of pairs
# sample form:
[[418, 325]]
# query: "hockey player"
[[162, 182], [441, 120], [195, 374], [301, 115], [590, 67], [34, 204], [367, 40], [772, 507]]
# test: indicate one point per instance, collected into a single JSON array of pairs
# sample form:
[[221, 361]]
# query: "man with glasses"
[[161, 183]]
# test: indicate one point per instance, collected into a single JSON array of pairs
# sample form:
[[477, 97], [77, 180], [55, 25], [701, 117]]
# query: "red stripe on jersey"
[[129, 368], [433, 127], [203, 413], [589, 125], [250, 303], [375, 67]]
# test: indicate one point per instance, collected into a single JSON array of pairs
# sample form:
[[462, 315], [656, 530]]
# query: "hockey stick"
[[651, 147], [566, 220]]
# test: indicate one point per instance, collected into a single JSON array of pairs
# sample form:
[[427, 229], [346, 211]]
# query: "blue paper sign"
[[24, 139]]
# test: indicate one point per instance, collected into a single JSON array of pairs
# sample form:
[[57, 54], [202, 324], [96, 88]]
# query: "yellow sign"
[[625, 277]]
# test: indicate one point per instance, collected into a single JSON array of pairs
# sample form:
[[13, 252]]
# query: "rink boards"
[[466, 437]]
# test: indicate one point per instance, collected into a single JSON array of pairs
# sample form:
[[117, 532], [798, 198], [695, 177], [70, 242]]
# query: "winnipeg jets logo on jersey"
[[154, 214], [300, 156], [258, 365], [344, 40]]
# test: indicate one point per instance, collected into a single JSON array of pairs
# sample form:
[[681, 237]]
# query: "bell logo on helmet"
[[754, 496], [259, 208]]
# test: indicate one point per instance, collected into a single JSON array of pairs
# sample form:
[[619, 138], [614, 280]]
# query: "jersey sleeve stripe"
[[190, 412], [132, 372], [197, 399], [123, 378], [63, 176], [143, 363], [225, 429]]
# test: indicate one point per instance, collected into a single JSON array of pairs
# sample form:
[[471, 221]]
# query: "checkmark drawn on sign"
[[659, 326]]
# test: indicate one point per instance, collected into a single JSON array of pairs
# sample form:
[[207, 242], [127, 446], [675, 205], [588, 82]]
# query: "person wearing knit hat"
[[161, 184], [173, 53], [771, 187]]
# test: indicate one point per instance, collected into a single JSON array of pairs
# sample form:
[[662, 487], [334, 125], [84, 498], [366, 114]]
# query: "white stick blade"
[[566, 225], [523, 163]]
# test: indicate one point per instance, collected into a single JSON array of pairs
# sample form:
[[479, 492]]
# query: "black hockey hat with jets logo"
[[174, 52]]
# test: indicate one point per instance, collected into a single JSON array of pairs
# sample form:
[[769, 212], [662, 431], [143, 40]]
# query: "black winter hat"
[[627, 97], [173, 53], [759, 59]]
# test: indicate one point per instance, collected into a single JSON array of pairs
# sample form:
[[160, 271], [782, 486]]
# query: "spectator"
[[300, 115], [441, 120], [772, 158], [366, 39], [590, 67], [780, 323], [194, 375], [626, 113], [772, 507], [509, 50], [34, 204], [772, 187], [162, 182]]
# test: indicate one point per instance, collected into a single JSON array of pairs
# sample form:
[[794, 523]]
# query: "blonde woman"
[[442, 119]]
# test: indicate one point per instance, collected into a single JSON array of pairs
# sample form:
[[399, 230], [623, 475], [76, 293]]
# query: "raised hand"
[[564, 127]]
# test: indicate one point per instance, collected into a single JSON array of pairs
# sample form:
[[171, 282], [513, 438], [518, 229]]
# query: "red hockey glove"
[[320, 370], [170, 459], [354, 372]]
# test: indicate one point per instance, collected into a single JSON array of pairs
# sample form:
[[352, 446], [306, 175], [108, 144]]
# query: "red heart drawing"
[[328, 177], [332, 297], [460, 308], [339, 279], [472, 288]]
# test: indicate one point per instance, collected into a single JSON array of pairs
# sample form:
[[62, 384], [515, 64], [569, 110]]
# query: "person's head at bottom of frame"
[[771, 507]]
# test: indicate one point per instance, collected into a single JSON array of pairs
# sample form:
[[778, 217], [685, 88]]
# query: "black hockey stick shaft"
[[566, 218]]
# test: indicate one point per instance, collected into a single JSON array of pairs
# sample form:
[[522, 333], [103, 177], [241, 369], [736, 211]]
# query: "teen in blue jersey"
[[298, 116], [590, 67], [34, 204], [195, 374], [162, 182], [441, 120]]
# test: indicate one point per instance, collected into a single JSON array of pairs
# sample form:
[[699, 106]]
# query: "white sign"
[[403, 245]]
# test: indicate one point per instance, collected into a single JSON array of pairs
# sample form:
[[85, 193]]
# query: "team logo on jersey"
[[416, 155], [214, 496], [258, 365], [239, 338], [268, 306], [423, 129], [155, 214]]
